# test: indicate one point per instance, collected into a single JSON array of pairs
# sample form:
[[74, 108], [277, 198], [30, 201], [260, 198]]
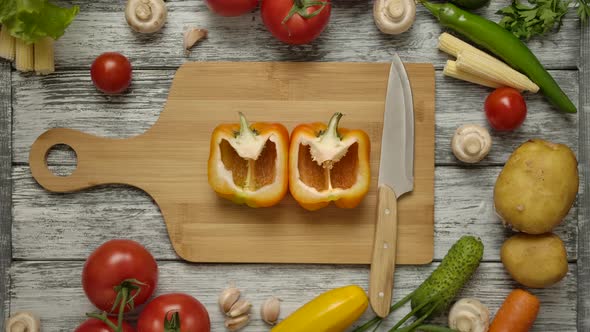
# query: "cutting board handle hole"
[[61, 160]]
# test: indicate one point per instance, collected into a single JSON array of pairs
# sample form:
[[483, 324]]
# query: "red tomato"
[[232, 7], [96, 325], [296, 29], [111, 72], [505, 109], [193, 315], [119, 263]]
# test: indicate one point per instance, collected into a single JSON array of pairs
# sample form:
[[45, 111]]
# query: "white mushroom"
[[23, 322], [469, 315], [146, 16], [471, 143], [394, 16]]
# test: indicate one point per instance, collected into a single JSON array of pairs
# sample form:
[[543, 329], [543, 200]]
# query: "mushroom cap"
[[394, 16], [471, 143], [469, 315], [23, 321], [146, 16]]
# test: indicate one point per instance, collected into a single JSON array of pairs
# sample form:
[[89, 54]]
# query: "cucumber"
[[446, 281], [470, 4], [435, 294]]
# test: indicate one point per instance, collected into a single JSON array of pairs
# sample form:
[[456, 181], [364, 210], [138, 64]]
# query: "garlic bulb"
[[469, 315]]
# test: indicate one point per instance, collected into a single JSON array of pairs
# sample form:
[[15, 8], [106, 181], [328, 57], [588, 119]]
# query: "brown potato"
[[536, 261], [537, 187]]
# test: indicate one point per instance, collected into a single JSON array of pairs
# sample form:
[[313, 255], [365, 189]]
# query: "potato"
[[537, 187], [536, 261]]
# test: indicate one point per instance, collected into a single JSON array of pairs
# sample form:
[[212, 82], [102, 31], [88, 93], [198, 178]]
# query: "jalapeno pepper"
[[505, 45]]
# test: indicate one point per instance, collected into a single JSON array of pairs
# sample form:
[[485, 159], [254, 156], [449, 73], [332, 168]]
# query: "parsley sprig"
[[538, 17]]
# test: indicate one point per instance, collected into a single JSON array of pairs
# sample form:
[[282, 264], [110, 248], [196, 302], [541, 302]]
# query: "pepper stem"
[[332, 131], [432, 7], [245, 129]]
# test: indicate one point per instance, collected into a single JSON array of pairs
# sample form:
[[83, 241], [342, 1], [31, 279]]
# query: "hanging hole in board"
[[61, 160]]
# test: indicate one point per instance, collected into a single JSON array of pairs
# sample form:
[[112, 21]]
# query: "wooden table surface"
[[45, 237]]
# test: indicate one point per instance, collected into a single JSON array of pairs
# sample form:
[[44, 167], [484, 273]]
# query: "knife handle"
[[384, 251]]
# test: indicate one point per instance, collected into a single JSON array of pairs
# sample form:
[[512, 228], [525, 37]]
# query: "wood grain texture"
[[350, 36], [63, 303], [5, 188], [48, 225], [68, 99], [583, 197], [169, 162], [384, 252]]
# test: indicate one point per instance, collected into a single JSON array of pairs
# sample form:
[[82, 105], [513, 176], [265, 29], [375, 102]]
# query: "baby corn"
[[472, 63], [451, 70], [44, 63], [7, 45]]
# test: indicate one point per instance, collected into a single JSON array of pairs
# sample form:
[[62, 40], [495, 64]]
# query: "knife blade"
[[396, 177]]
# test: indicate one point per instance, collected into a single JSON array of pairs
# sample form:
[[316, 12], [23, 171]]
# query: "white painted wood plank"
[[48, 225], [350, 36], [584, 211], [62, 303], [5, 188], [68, 99]]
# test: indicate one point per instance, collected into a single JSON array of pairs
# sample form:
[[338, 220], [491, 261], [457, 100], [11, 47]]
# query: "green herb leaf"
[[538, 17], [31, 20]]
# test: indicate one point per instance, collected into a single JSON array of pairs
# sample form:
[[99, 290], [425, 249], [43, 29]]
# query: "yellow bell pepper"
[[332, 311]]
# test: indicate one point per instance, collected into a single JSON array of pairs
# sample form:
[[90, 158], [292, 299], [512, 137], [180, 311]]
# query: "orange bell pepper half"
[[248, 164], [328, 164]]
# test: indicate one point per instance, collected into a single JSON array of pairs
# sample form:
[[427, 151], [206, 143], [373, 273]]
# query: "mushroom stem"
[[143, 12], [469, 315], [146, 16], [396, 10], [471, 143], [394, 16]]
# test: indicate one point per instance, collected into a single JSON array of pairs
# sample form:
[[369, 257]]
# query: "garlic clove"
[[236, 323], [270, 310], [228, 298], [193, 36], [239, 308]]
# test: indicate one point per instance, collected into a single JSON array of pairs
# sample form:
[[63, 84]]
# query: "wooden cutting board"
[[169, 162]]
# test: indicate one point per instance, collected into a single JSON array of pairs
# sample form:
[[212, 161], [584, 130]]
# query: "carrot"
[[517, 313]]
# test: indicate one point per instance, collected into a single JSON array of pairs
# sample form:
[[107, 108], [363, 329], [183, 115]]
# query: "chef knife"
[[396, 177]]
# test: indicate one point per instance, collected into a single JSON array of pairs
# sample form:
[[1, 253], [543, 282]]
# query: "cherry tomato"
[[232, 7], [111, 72], [505, 109], [295, 29], [115, 266], [171, 309], [96, 325]]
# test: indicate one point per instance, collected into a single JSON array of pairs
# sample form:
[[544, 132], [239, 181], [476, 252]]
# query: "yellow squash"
[[332, 311]]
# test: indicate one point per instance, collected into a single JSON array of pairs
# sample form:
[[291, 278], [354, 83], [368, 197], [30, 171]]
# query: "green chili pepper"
[[505, 45]]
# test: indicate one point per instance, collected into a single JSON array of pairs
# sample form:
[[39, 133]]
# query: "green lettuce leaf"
[[31, 20]]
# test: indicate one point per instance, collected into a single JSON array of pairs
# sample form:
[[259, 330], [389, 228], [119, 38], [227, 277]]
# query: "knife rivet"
[[385, 245], [387, 211], [381, 294]]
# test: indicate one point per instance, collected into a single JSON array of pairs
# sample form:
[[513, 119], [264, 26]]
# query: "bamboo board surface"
[[169, 162]]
